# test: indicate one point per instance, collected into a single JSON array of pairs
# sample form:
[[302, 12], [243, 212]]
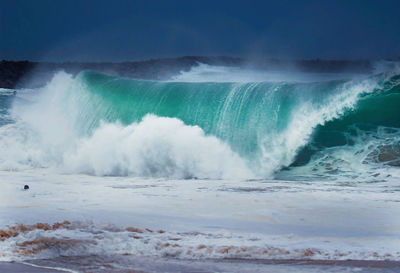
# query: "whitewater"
[[215, 163]]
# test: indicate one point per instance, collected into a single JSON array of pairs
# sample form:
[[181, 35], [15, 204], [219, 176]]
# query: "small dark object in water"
[[26, 187], [15, 93]]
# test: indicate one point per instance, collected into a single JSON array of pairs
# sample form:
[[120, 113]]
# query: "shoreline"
[[209, 264], [347, 263], [21, 267]]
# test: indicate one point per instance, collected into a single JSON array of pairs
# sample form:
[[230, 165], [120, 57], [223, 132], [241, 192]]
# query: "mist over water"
[[210, 122]]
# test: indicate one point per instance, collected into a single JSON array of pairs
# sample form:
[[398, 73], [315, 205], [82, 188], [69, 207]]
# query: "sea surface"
[[219, 169]]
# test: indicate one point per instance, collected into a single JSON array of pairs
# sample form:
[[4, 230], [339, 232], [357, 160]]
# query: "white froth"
[[161, 147]]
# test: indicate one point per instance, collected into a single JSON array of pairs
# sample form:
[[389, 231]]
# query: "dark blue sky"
[[116, 30]]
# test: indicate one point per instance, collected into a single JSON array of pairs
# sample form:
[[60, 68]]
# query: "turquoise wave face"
[[248, 116], [6, 99]]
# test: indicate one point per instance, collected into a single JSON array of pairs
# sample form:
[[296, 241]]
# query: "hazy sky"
[[116, 30]]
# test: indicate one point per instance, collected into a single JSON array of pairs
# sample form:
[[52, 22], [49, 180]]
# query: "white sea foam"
[[162, 147], [201, 218]]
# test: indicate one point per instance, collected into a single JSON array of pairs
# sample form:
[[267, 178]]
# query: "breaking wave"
[[102, 125]]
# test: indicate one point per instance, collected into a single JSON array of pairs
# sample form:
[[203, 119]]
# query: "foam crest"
[[156, 146]]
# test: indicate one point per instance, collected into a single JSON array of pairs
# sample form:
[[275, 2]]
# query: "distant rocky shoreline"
[[17, 74]]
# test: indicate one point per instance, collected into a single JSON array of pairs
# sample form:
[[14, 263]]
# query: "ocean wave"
[[104, 125]]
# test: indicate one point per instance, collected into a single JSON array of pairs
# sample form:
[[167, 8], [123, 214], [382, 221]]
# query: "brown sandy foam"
[[14, 231], [30, 247]]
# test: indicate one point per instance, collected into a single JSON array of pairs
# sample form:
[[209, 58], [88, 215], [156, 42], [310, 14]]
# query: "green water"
[[243, 114]]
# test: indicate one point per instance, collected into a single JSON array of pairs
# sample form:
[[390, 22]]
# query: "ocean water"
[[216, 163]]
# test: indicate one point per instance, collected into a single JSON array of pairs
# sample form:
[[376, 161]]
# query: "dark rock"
[[16, 74], [26, 187]]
